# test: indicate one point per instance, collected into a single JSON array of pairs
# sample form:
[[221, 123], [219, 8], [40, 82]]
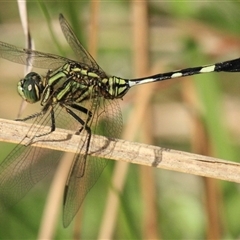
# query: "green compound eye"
[[30, 88]]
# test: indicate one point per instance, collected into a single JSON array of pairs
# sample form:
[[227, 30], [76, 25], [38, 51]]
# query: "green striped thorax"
[[71, 82]]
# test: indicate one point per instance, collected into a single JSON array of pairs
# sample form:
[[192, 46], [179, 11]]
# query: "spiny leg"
[[84, 110], [84, 126], [44, 110]]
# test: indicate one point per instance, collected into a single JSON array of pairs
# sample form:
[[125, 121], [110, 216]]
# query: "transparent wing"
[[47, 60], [31, 57], [107, 121], [82, 54], [25, 166]]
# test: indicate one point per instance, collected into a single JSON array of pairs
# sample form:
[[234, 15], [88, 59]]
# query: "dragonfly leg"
[[76, 117], [35, 115], [84, 126], [83, 110], [53, 125]]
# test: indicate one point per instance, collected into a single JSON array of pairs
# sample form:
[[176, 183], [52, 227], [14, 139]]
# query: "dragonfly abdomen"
[[114, 87]]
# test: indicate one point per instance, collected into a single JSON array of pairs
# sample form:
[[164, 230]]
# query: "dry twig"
[[12, 131]]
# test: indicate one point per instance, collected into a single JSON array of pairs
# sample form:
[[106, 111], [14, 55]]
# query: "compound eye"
[[30, 88]]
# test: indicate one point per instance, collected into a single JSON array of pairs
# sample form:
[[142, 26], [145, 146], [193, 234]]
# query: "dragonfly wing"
[[86, 170], [83, 55], [26, 165], [84, 174], [21, 170], [31, 57]]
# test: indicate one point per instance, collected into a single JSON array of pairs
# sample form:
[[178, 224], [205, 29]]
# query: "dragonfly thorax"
[[31, 87]]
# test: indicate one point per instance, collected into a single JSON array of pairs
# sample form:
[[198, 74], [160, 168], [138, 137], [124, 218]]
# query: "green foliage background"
[[180, 197]]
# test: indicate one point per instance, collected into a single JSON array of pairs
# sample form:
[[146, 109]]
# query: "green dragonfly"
[[75, 95]]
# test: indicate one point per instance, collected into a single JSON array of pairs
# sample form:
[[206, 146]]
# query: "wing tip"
[[61, 16]]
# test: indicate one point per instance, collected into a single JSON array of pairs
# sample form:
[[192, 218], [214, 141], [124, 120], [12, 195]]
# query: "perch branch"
[[131, 152]]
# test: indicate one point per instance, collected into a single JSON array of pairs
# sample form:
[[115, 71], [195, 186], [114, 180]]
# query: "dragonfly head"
[[31, 87]]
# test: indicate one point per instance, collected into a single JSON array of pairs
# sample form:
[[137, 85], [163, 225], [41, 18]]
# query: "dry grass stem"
[[120, 150]]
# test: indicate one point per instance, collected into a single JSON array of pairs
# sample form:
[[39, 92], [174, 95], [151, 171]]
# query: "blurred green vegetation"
[[180, 197]]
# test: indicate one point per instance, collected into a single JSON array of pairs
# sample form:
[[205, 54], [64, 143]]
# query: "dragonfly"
[[78, 96]]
